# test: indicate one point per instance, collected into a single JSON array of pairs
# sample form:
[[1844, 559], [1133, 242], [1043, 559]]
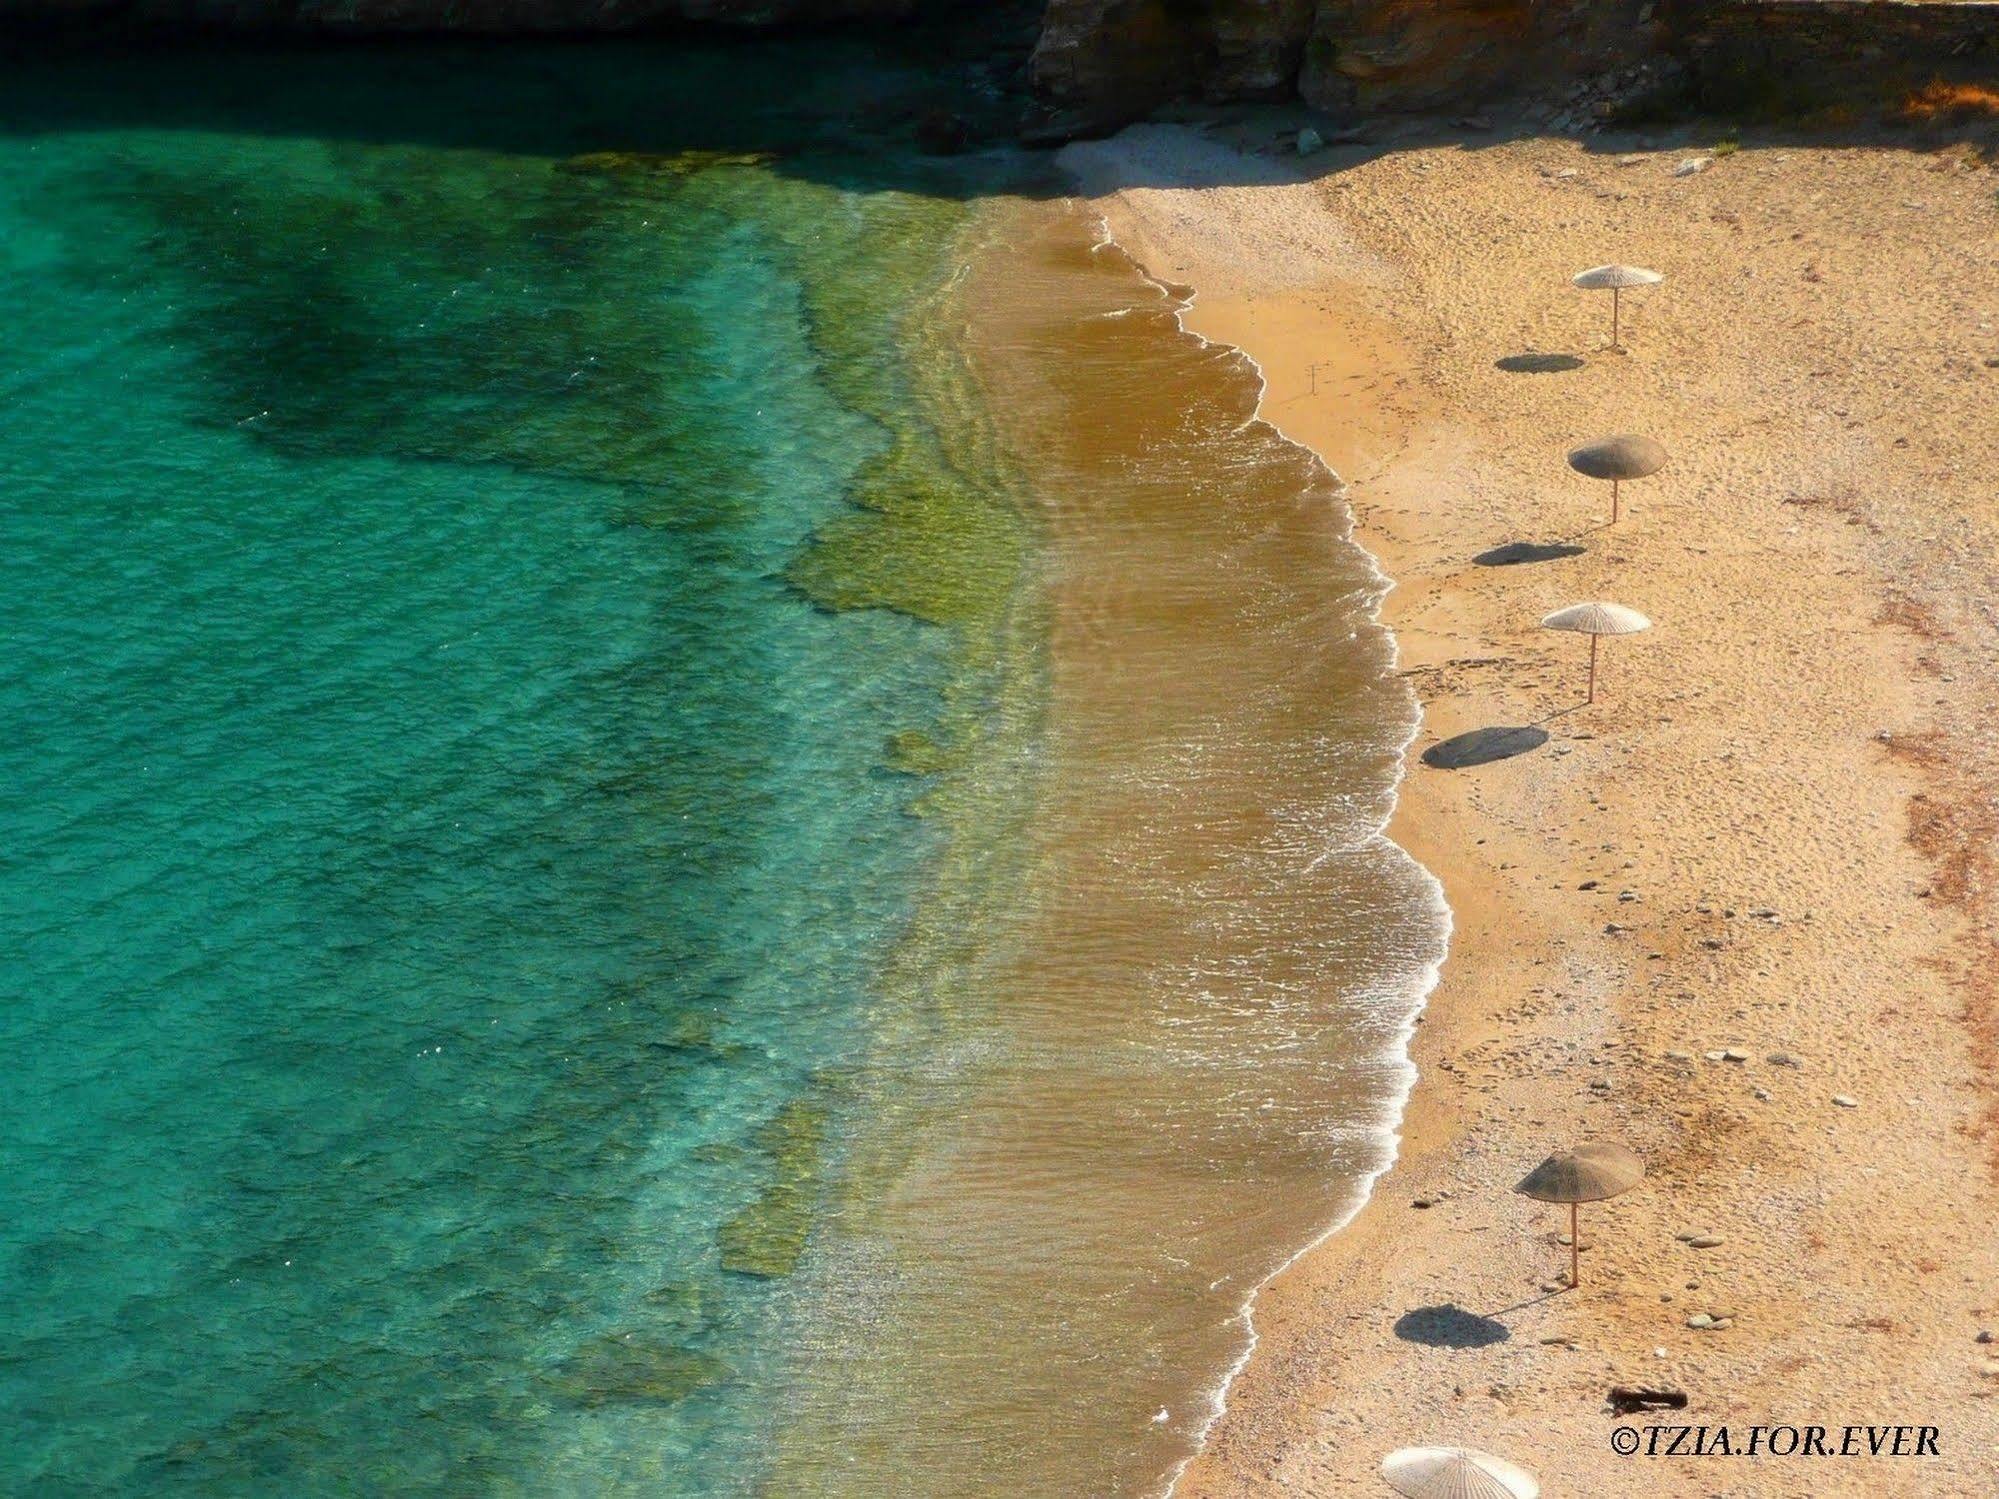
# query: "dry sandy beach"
[[1753, 879]]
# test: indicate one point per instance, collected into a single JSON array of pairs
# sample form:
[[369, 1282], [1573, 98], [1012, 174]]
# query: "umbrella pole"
[[1616, 299], [1613, 502], [1575, 1250], [1592, 669]]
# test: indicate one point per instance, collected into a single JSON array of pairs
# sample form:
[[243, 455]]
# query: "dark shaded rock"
[[1629, 1399], [1394, 55], [943, 133]]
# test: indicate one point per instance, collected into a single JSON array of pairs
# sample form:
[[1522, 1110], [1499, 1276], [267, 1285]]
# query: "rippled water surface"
[[686, 808]]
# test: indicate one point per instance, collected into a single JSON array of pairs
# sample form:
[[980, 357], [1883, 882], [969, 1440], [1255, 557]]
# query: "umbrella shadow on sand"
[[1515, 553], [1538, 364], [1484, 746], [1450, 1326]]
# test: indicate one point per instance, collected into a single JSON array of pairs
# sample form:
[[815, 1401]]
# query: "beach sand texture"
[[1752, 879]]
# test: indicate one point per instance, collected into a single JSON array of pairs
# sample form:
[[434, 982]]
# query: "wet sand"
[[1181, 1051], [1769, 839]]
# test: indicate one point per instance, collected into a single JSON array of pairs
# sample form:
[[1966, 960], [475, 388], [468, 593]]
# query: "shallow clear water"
[[686, 808], [446, 849]]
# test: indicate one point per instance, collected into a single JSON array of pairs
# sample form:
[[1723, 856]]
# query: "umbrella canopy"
[[1616, 458], [1589, 1173], [1597, 619], [1616, 277], [1456, 1473]]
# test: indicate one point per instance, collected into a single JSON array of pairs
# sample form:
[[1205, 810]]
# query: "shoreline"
[[1182, 300], [1373, 1336]]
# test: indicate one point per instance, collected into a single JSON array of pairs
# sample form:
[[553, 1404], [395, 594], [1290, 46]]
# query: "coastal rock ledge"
[[1099, 64]]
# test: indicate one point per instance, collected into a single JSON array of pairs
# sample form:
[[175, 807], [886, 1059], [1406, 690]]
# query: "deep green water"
[[456, 792]]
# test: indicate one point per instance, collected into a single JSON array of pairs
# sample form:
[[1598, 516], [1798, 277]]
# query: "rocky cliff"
[[1123, 57], [1099, 63]]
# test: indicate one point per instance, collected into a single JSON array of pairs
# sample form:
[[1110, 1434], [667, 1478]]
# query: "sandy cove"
[[1770, 837]]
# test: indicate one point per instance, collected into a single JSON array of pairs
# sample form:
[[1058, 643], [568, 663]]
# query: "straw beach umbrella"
[[1614, 279], [1596, 621], [1589, 1173], [1618, 459], [1456, 1473]]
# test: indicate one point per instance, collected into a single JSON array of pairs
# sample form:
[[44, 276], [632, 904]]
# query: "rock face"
[[1118, 58], [1446, 54]]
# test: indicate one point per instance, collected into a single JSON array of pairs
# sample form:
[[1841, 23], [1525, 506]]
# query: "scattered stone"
[[1704, 1241], [1633, 159], [1679, 1056], [1424, 1202], [1843, 1101], [1730, 1054], [1715, 1056], [1984, 1335], [1720, 1324], [1700, 1322], [1627, 895], [1692, 165], [1589, 884], [1310, 140], [1783, 1059], [1628, 1400], [1761, 1095], [1611, 928]]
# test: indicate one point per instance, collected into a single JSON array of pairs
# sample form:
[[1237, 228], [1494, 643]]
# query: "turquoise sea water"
[[447, 835]]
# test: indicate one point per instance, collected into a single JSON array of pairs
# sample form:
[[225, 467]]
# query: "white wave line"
[[1399, 1052]]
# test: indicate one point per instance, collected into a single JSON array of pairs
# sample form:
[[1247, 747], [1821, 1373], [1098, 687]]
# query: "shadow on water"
[[1483, 746], [1516, 552], [851, 110], [1449, 1326]]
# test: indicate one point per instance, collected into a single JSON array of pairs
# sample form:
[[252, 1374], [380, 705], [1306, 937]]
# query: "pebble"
[[1692, 165], [1783, 1059], [1844, 1102], [1679, 1056], [1730, 1054], [1984, 1335], [1700, 1321], [1704, 1241]]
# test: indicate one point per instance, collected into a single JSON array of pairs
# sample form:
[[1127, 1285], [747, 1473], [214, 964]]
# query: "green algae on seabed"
[[630, 1369], [767, 1238]]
